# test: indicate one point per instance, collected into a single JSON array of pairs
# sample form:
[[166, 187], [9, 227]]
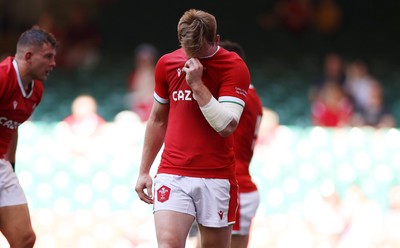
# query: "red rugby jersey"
[[245, 138], [16, 105], [192, 147]]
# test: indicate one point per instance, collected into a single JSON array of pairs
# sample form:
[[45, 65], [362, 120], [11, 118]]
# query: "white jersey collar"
[[209, 56], [21, 86]]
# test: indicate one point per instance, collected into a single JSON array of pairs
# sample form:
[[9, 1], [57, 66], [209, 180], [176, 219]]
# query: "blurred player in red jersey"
[[21, 90], [200, 92], [245, 139], [84, 120]]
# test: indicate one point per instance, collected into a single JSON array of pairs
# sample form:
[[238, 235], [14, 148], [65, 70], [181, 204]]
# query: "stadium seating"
[[86, 198], [299, 160]]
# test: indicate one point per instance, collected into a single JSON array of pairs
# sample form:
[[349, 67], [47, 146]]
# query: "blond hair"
[[194, 29]]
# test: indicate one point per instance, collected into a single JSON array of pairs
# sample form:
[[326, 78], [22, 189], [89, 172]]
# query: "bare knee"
[[23, 240], [30, 239], [16, 226], [170, 241]]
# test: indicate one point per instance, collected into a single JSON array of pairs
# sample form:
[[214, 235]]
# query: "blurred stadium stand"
[[73, 197], [309, 156]]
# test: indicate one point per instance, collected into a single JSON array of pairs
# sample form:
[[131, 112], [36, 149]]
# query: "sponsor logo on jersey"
[[179, 71], [182, 95], [9, 123], [240, 91], [163, 193]]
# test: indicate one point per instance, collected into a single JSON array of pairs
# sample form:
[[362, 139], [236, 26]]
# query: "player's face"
[[42, 62]]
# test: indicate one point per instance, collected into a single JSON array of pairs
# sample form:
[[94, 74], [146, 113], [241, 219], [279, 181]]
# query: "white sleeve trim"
[[160, 99], [223, 99]]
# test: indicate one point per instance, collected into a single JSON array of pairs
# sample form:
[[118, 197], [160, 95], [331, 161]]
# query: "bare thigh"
[[212, 237], [172, 228]]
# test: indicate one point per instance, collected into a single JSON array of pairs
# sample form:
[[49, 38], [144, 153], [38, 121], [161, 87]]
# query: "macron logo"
[[15, 103], [221, 214]]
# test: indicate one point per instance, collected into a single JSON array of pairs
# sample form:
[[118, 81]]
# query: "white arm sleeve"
[[219, 115]]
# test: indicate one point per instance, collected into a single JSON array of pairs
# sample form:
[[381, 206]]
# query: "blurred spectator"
[[327, 16], [84, 120], [358, 83], [83, 129], [333, 71], [375, 113], [81, 45], [293, 15], [268, 127], [331, 107], [141, 80]]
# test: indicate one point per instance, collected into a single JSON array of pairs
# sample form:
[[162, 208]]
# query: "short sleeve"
[[235, 84], [161, 93]]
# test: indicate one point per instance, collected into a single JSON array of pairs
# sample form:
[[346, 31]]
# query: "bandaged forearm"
[[219, 115]]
